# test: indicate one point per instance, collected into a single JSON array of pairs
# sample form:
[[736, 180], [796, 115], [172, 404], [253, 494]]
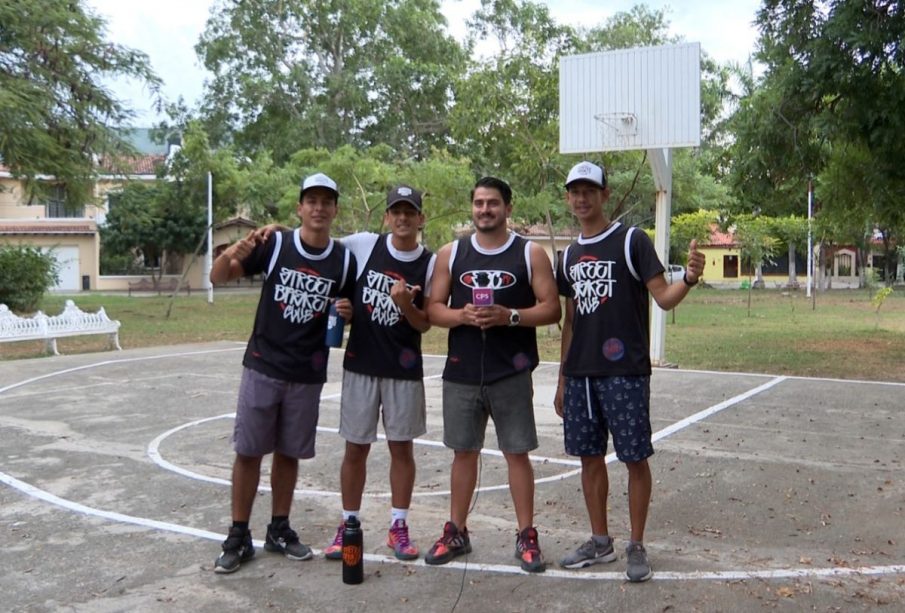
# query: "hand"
[[242, 248], [344, 308], [401, 294], [485, 317], [558, 399], [264, 232], [696, 261]]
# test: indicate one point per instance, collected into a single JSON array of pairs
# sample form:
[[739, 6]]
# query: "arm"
[[565, 344], [438, 311], [228, 265], [405, 300], [264, 232], [547, 309], [669, 295]]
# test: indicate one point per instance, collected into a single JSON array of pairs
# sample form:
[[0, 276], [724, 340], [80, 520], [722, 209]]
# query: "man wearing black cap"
[[285, 362], [383, 363], [604, 383]]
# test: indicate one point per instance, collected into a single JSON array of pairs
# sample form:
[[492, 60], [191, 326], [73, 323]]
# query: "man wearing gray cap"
[[607, 276], [383, 365], [285, 363]]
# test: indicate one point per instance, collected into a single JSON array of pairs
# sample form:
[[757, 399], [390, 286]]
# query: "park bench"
[[71, 322], [164, 285]]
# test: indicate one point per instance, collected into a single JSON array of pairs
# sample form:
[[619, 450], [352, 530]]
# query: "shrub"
[[25, 274]]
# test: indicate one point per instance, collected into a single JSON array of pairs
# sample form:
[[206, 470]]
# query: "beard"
[[488, 224]]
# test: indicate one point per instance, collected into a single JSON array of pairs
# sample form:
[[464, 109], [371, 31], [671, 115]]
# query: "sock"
[[601, 539], [241, 524], [397, 514], [348, 514], [275, 519]]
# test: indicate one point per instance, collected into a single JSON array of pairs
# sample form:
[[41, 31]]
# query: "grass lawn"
[[843, 337]]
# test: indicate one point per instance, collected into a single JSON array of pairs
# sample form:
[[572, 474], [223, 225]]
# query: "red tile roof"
[[720, 239], [137, 165]]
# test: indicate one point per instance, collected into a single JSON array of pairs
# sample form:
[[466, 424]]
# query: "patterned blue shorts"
[[596, 406]]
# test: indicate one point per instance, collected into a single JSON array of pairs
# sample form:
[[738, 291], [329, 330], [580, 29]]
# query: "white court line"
[[497, 568], [157, 458]]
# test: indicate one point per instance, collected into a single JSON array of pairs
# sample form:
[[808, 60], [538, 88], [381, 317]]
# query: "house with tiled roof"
[[71, 234], [840, 267]]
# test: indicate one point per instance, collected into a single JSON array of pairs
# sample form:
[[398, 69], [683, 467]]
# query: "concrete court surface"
[[769, 493]]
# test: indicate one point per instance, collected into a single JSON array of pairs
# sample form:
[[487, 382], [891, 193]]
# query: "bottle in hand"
[[335, 327]]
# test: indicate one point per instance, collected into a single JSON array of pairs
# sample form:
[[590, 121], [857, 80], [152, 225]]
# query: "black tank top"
[[287, 341], [506, 350], [382, 343]]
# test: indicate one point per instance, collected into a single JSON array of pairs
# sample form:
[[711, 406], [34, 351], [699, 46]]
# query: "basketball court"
[[115, 496]]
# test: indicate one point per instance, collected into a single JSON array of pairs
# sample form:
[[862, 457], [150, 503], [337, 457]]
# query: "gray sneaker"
[[589, 553], [638, 568]]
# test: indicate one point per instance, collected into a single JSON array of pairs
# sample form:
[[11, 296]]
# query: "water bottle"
[[353, 557], [335, 327]]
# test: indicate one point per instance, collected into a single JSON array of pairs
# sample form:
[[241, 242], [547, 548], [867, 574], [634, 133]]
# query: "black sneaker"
[[527, 549], [454, 542], [237, 548], [283, 539]]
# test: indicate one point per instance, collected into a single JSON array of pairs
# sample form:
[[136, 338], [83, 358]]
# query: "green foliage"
[[365, 176], [827, 107], [880, 297], [26, 273], [313, 73], [57, 115], [686, 227]]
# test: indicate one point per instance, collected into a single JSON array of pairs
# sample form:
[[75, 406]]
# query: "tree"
[[364, 178], [827, 108], [793, 232], [292, 74], [57, 117], [26, 273], [756, 246]]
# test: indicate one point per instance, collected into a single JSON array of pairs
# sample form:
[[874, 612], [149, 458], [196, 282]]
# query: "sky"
[[167, 30]]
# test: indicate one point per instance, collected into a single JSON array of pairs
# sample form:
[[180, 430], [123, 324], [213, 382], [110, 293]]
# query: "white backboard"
[[642, 98]]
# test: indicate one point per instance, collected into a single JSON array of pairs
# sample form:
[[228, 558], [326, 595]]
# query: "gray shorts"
[[509, 401], [402, 400], [276, 415]]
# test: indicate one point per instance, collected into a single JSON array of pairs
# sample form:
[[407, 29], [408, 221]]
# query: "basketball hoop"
[[623, 125]]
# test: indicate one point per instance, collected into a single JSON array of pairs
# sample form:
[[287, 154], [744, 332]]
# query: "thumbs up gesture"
[[695, 266]]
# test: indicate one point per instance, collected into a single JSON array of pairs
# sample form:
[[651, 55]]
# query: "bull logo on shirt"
[[377, 299], [302, 294], [592, 283], [489, 279]]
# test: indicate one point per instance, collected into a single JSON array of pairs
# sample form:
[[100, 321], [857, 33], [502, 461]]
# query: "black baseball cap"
[[404, 193]]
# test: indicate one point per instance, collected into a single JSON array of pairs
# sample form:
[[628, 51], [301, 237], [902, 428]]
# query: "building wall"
[[85, 243]]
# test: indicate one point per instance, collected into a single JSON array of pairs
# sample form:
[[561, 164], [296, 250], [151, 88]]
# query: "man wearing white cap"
[[607, 276], [285, 363], [383, 370]]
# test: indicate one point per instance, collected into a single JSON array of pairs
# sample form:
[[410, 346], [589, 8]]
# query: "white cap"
[[586, 171], [320, 180]]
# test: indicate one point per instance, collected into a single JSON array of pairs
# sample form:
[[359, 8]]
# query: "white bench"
[[71, 322]]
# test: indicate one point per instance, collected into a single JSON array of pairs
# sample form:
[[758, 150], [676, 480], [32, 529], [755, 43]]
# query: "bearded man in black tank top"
[[492, 352]]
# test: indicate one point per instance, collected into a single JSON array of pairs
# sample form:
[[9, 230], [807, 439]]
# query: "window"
[[844, 264], [56, 204]]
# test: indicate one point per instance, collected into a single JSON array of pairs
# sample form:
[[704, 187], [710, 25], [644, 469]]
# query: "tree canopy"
[[57, 118]]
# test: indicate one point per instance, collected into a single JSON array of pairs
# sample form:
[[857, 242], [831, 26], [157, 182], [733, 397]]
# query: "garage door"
[[68, 260]]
